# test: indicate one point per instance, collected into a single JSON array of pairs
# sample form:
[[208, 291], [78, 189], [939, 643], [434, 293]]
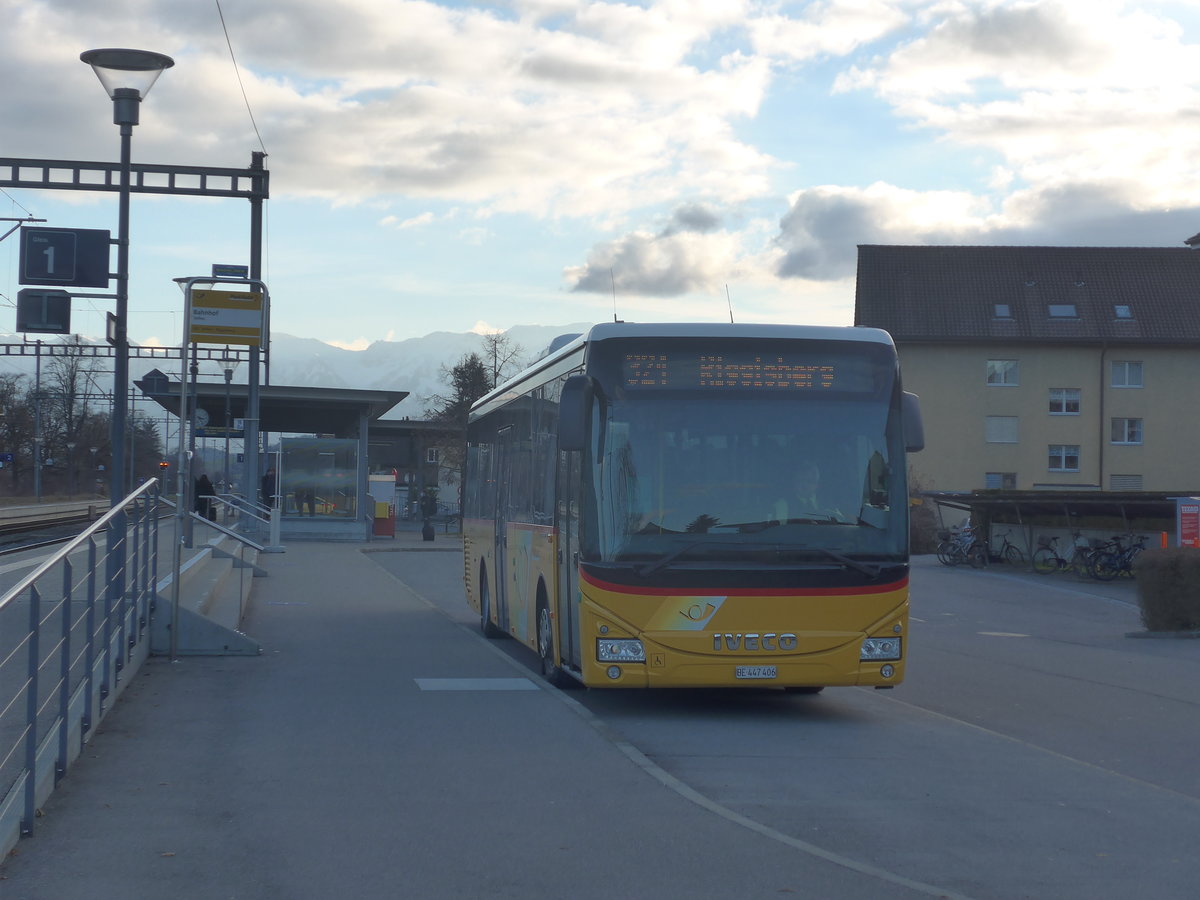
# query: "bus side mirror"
[[914, 428], [575, 412]]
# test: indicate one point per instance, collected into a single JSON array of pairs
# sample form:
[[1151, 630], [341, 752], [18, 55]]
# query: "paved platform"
[[380, 750]]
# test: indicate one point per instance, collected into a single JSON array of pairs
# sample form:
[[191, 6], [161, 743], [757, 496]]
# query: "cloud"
[[819, 236], [424, 218], [687, 254], [821, 232], [553, 109], [825, 29], [361, 343]]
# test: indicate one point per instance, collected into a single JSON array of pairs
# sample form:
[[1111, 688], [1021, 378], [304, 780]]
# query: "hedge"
[[1168, 586]]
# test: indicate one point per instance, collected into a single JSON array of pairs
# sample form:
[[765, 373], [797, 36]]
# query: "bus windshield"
[[690, 473]]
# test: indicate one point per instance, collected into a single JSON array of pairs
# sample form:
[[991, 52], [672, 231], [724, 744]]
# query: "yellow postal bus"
[[697, 506]]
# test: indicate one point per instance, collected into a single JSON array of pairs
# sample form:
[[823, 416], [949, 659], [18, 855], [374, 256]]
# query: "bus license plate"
[[755, 672]]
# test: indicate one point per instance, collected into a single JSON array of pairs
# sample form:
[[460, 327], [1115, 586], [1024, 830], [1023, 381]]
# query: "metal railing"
[[66, 636]]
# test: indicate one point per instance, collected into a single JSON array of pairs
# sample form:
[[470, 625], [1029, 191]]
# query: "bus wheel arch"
[[551, 670], [485, 605]]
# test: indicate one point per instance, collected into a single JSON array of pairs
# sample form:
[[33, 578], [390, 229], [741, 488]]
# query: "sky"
[[448, 166]]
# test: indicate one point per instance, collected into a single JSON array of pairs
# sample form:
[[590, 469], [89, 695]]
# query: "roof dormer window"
[[1002, 311], [1062, 311], [1123, 311]]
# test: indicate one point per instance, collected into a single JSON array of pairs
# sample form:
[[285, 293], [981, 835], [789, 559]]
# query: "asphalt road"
[[1035, 750], [382, 748]]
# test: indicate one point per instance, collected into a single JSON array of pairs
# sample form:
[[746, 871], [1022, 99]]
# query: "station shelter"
[[320, 451]]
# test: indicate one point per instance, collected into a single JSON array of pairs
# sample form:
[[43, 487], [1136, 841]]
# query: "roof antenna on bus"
[[613, 279], [729, 301]]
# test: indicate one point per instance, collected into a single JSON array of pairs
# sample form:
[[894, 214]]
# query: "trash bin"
[[385, 520]]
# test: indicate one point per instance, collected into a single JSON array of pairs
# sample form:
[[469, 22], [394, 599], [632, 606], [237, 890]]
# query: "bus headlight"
[[881, 648], [620, 650]]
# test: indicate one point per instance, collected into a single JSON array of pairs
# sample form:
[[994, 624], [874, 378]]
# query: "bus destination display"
[[738, 371]]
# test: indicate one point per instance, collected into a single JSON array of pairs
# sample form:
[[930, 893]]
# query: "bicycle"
[[1119, 560], [961, 546], [1088, 556], [1010, 552], [1046, 558]]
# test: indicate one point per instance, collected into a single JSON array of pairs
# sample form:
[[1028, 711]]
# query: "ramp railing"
[[67, 638]]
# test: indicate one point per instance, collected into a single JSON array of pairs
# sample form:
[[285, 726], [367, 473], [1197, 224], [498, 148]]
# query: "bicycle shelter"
[[1066, 514]]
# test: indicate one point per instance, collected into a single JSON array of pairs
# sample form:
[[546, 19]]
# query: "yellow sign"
[[225, 317]]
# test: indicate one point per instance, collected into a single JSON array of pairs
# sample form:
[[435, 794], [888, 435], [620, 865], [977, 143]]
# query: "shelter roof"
[[1067, 504], [282, 408]]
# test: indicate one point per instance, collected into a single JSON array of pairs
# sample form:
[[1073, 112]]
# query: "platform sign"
[[42, 311], [69, 257], [225, 317]]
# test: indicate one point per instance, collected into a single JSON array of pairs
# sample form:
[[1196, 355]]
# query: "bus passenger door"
[[567, 525], [503, 463]]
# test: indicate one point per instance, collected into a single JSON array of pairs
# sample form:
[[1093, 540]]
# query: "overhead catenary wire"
[[254, 124], [237, 72]]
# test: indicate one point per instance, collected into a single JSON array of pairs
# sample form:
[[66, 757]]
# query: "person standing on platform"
[[204, 495], [270, 487]]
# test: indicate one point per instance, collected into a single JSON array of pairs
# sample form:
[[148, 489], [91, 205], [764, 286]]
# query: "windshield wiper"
[[651, 567], [868, 569]]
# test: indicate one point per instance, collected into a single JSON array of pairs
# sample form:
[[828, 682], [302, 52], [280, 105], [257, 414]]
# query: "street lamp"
[[127, 76], [228, 364]]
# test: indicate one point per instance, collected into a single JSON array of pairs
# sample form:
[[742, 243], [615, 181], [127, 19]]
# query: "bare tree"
[[502, 357], [469, 379], [68, 386], [16, 427]]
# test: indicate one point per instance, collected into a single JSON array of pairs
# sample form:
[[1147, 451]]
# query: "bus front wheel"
[[551, 671], [485, 608]]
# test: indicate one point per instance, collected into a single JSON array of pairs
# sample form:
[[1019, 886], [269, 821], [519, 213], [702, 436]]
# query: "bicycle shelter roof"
[[1073, 507]]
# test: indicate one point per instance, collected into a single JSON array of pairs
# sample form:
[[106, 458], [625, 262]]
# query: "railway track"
[[18, 519]]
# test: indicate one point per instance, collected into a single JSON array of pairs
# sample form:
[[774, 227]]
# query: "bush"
[[1168, 582]]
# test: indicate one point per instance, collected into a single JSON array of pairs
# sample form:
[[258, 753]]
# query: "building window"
[[1126, 373], [1062, 311], [1064, 458], [1064, 401], [1000, 429], [1125, 482], [1002, 311], [431, 456], [1003, 371], [1000, 481], [1121, 311], [1126, 431]]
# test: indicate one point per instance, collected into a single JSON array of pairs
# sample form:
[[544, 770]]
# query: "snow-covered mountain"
[[413, 365]]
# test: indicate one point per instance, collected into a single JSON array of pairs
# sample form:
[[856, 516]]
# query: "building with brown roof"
[[1064, 368]]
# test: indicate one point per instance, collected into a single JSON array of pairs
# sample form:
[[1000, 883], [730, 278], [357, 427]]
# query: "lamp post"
[[127, 76], [228, 364], [70, 470]]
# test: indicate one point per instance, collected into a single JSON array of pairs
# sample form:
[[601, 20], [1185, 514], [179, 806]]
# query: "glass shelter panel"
[[319, 477]]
